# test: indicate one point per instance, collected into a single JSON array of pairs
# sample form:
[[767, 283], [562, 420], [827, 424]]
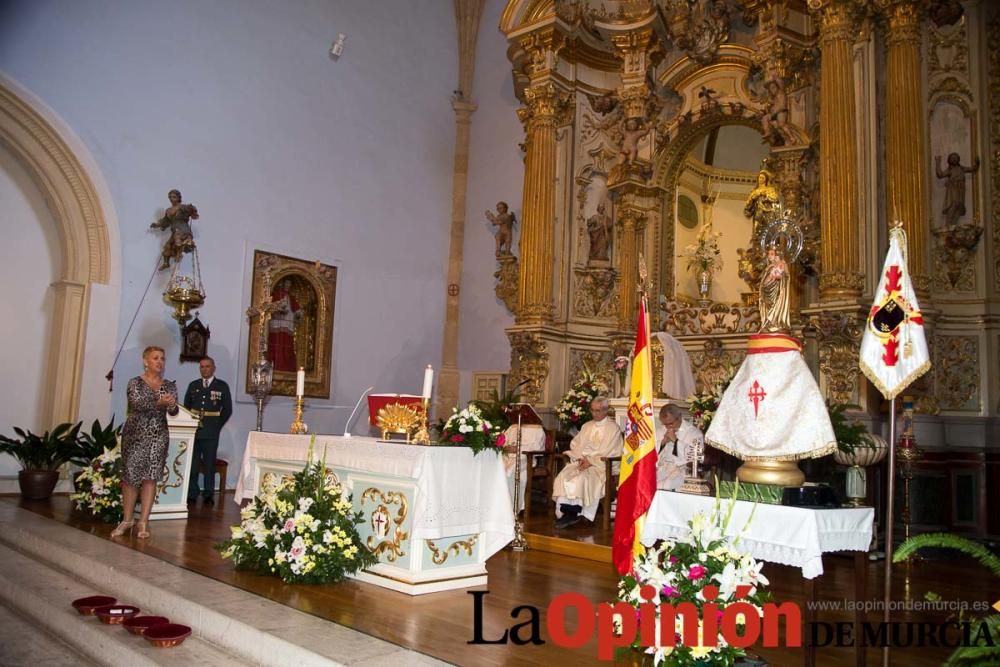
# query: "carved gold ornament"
[[397, 418], [391, 547], [178, 472], [439, 556]]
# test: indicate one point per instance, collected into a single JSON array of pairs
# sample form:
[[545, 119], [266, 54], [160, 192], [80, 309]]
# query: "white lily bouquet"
[[678, 571], [300, 528]]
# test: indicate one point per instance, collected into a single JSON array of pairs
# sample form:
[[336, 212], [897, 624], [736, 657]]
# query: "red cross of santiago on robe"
[[757, 395]]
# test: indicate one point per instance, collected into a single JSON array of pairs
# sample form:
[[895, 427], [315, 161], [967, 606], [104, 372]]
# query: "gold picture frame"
[[300, 298]]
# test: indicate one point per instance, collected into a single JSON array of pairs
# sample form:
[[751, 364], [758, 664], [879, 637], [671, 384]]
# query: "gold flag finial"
[[643, 286]]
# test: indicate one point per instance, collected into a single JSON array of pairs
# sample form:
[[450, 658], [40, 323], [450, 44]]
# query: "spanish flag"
[[637, 480]]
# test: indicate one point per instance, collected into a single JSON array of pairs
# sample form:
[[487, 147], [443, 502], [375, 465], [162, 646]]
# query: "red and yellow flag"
[[637, 480]]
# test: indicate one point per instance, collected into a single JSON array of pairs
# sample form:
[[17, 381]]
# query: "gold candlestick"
[[298, 426], [519, 543], [423, 434]]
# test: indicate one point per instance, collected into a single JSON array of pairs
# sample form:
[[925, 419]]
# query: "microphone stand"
[[347, 426], [519, 543]]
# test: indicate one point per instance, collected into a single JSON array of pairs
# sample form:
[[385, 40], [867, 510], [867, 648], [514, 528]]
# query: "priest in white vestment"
[[679, 437], [579, 487], [532, 440]]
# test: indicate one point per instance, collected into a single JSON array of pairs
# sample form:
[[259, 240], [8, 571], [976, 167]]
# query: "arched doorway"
[[42, 145]]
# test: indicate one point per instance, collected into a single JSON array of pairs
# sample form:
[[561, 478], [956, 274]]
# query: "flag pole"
[[889, 520]]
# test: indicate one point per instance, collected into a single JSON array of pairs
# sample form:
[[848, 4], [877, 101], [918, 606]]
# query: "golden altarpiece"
[[636, 116]]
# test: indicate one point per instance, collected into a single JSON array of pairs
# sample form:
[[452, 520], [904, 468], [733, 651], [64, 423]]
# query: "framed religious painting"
[[290, 322]]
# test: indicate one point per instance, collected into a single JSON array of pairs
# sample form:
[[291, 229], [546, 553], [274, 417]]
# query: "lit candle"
[[300, 382], [428, 381]]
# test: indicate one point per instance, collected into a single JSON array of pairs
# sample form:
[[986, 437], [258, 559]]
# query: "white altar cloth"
[[793, 536], [457, 493]]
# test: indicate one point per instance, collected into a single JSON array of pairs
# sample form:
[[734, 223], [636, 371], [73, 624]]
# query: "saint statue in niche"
[[599, 228], [774, 294], [762, 202], [954, 186], [178, 219], [289, 335]]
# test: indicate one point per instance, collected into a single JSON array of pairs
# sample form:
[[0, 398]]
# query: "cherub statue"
[[504, 220], [632, 133], [178, 218], [775, 119], [954, 186]]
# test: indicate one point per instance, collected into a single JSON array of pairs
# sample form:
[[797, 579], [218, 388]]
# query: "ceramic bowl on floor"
[[138, 625], [168, 634], [113, 614], [87, 605]]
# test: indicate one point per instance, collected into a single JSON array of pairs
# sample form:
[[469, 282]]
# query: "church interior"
[[369, 214]]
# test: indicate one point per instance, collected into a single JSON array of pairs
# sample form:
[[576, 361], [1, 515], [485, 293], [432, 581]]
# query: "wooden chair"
[[542, 467], [610, 485], [222, 470]]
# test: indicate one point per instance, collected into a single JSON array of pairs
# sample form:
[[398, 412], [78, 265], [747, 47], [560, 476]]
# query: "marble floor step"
[[22, 642], [255, 629], [42, 594]]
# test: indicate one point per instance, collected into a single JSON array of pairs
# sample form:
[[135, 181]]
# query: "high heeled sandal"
[[122, 528], [142, 530]]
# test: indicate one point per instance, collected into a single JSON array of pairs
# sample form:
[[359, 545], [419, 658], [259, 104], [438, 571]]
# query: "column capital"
[[837, 19], [546, 102], [902, 19]]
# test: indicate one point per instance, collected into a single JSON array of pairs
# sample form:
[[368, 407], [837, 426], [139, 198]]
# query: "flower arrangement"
[[681, 570], [704, 254], [469, 428], [99, 488], [574, 408], [704, 405], [621, 368], [300, 528]]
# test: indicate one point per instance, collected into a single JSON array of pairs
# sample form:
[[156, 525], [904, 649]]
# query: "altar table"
[[794, 536], [433, 515]]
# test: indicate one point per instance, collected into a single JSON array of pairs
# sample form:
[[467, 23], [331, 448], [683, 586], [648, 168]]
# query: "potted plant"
[[40, 457], [92, 444], [856, 448]]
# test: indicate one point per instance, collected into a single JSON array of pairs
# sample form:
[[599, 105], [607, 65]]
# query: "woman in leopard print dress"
[[145, 439]]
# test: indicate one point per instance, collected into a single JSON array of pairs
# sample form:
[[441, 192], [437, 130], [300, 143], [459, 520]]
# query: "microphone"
[[347, 426]]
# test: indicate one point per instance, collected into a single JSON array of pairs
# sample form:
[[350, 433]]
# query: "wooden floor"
[[441, 624]]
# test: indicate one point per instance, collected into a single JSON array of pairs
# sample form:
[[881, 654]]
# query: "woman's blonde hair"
[[153, 348]]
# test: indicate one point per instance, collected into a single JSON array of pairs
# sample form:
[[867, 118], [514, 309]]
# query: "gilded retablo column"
[[545, 103], [841, 253], [905, 146], [631, 226]]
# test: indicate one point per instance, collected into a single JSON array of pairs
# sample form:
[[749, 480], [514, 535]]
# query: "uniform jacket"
[[214, 405]]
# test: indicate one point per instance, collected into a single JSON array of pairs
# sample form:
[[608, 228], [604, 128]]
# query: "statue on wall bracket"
[[507, 273], [956, 242]]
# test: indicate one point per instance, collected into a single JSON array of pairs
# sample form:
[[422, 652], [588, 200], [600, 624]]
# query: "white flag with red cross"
[[894, 348]]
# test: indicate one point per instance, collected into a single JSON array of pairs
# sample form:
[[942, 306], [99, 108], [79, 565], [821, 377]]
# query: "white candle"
[[300, 382], [428, 381]]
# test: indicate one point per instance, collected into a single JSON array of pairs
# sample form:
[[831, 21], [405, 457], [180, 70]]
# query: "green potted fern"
[[40, 457]]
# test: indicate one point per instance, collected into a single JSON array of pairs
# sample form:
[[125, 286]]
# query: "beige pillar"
[[905, 146], [65, 362], [467, 14], [841, 252]]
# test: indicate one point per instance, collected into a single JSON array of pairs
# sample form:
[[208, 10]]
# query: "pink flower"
[[669, 591], [296, 552], [501, 440], [696, 572], [457, 438], [289, 525], [672, 559]]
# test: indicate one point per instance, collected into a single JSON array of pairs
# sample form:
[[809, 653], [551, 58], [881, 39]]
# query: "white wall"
[[29, 261], [237, 104], [496, 172]]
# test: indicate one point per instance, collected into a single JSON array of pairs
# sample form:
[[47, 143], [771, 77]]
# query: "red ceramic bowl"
[[86, 606], [168, 634], [113, 614], [138, 625]]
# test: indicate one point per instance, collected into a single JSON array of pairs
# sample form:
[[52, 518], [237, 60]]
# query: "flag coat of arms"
[[894, 348], [637, 479]]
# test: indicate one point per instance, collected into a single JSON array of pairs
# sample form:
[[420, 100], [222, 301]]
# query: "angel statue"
[[504, 220], [178, 218]]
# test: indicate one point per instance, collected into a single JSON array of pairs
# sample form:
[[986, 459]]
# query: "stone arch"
[[42, 143]]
